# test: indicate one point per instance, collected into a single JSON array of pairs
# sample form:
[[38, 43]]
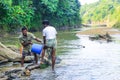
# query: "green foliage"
[[42, 66], [117, 25], [68, 13], [17, 13], [101, 11], [3, 11], [51, 4]]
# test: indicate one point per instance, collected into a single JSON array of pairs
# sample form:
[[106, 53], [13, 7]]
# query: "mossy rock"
[[42, 66]]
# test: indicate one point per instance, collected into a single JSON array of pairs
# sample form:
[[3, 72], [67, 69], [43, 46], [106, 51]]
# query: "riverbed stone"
[[2, 58]]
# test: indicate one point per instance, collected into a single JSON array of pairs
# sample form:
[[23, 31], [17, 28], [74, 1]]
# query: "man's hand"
[[30, 42], [27, 43]]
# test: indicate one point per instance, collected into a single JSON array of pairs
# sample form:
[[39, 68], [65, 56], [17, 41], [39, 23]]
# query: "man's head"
[[45, 23], [24, 31]]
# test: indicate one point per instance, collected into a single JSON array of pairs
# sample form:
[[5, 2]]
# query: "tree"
[[18, 13]]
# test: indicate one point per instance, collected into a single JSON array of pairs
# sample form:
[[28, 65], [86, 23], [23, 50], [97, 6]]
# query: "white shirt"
[[50, 32]]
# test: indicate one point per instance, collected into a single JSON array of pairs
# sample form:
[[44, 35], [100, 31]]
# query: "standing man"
[[49, 39], [26, 40]]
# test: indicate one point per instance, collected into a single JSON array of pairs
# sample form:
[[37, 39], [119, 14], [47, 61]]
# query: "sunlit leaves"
[[102, 11]]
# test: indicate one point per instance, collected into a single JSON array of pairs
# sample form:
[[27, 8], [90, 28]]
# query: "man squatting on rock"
[[26, 40]]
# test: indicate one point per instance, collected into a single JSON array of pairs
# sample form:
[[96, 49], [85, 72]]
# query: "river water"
[[83, 59], [99, 60]]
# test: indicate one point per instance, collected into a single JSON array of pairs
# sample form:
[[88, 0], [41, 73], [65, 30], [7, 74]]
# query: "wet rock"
[[58, 60], [13, 74], [4, 78], [105, 37], [3, 61], [17, 64], [12, 71], [2, 75]]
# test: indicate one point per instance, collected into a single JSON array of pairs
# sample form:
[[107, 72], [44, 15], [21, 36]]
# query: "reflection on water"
[[97, 61]]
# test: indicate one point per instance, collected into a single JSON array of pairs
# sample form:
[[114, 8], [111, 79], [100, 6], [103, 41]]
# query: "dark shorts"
[[26, 53]]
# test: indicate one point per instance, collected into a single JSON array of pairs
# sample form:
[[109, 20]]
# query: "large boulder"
[[1, 58], [6, 53]]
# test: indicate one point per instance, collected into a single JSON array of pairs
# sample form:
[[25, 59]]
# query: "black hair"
[[45, 22], [24, 28]]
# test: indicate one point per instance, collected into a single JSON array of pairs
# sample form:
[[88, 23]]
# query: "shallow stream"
[[85, 60]]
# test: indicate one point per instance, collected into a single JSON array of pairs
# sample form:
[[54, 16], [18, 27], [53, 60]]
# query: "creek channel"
[[85, 60]]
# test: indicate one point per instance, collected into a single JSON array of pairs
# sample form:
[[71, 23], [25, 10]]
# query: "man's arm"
[[35, 38], [44, 39], [38, 40]]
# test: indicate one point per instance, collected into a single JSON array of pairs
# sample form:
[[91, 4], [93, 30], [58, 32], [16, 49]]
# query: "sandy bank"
[[100, 30]]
